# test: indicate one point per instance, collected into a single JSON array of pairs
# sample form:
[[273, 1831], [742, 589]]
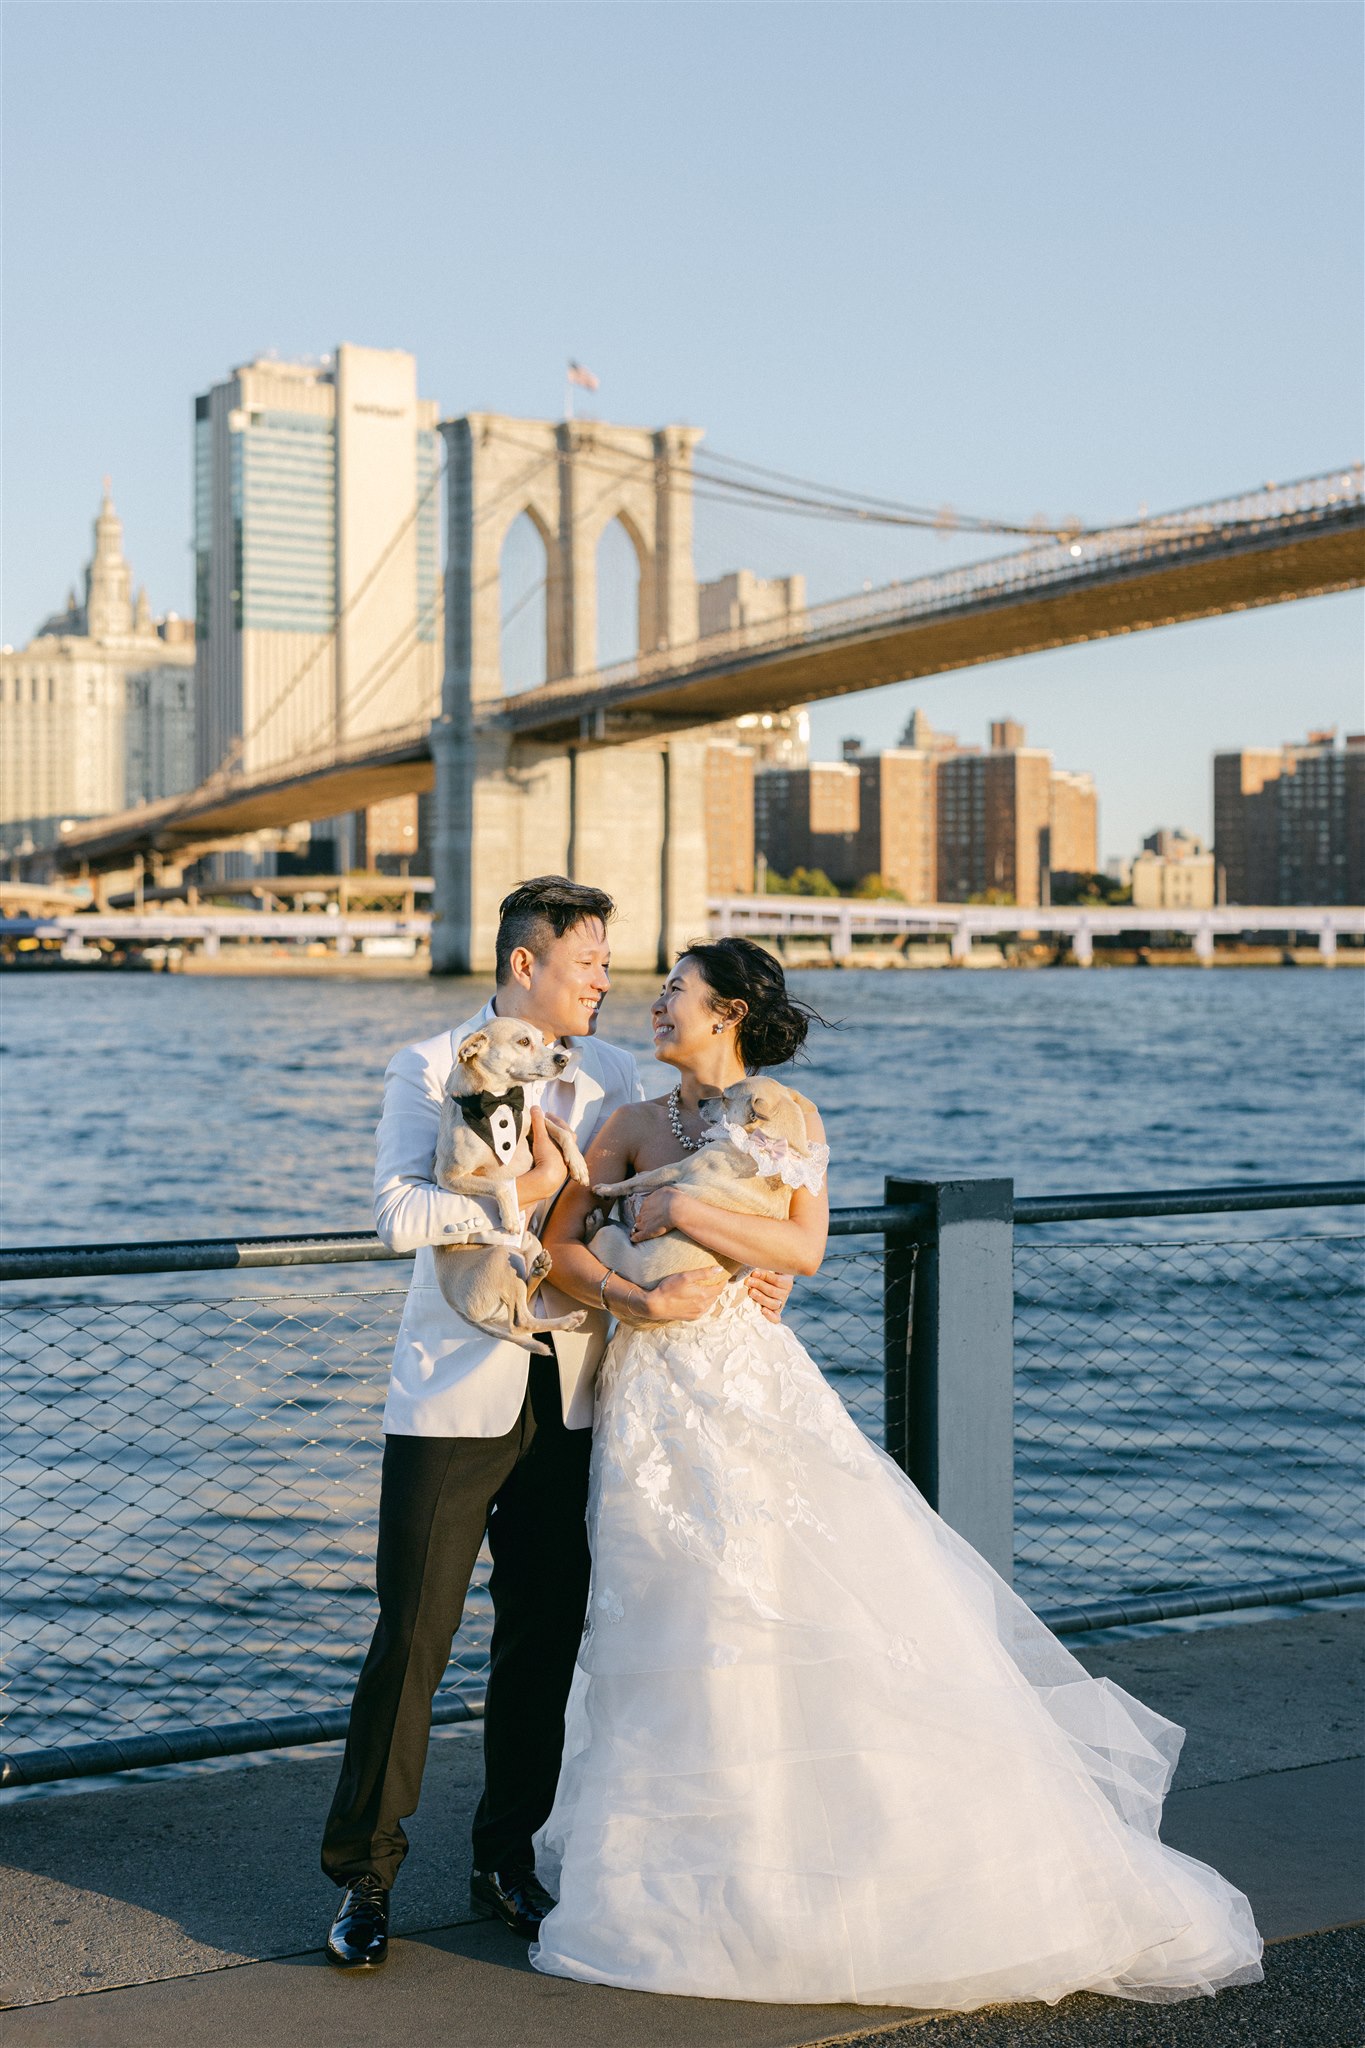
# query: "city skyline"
[[895, 312]]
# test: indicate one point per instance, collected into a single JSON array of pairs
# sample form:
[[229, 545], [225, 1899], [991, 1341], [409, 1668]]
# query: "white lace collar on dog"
[[779, 1158]]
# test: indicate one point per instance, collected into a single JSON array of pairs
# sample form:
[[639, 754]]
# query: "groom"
[[483, 1438]]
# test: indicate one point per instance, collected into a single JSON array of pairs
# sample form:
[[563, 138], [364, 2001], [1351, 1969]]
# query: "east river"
[[165, 1106]]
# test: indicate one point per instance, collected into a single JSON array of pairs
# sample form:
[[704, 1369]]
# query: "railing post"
[[950, 1361], [898, 1281]]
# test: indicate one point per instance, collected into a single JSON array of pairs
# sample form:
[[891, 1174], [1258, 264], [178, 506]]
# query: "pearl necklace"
[[674, 1107]]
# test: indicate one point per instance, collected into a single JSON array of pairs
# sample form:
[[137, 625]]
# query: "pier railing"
[[1132, 1429]]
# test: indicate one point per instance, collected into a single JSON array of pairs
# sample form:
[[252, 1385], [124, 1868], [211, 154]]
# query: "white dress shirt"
[[449, 1379]]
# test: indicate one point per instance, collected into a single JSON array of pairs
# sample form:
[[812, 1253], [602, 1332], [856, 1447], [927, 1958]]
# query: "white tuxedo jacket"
[[448, 1378]]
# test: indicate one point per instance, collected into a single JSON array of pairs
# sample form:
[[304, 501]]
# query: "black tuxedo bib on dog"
[[495, 1118]]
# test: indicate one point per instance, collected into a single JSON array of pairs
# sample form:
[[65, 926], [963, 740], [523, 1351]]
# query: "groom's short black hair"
[[542, 910]]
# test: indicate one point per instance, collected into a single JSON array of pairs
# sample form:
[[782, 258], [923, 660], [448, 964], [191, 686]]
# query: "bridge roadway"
[[840, 920], [1267, 547], [1302, 540]]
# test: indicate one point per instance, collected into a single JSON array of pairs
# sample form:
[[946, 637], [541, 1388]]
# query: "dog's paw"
[[539, 1266], [608, 1190]]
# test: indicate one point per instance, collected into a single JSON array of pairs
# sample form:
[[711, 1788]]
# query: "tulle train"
[[818, 1750]]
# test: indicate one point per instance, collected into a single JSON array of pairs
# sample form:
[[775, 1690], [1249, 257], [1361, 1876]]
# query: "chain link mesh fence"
[[1186, 1414], [190, 1494], [837, 1314], [191, 1491], [190, 1486]]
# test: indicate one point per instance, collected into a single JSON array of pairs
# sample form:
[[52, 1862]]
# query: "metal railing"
[[1136, 1430]]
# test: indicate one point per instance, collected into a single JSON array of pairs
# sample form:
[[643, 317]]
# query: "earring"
[[717, 1027]]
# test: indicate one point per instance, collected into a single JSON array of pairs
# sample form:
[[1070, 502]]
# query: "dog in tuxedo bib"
[[482, 1148]]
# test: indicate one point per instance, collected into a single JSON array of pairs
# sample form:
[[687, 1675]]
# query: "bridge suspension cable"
[[805, 499], [827, 501]]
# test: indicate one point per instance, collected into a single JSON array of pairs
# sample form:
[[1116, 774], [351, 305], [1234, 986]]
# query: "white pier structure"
[[843, 919], [208, 928], [838, 920]]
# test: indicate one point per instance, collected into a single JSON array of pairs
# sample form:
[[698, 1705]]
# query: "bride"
[[817, 1749]]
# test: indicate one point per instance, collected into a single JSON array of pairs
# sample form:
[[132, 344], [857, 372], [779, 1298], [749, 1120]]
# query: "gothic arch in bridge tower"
[[530, 550], [626, 817], [620, 592]]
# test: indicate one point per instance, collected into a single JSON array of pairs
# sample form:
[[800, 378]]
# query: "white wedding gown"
[[817, 1750]]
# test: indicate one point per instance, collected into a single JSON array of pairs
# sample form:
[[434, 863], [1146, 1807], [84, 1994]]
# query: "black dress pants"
[[438, 1496]]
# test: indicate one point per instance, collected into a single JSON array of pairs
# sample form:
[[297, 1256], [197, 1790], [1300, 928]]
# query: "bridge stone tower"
[[629, 818]]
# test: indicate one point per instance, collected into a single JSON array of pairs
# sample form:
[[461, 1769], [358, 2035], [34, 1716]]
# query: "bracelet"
[[608, 1273]]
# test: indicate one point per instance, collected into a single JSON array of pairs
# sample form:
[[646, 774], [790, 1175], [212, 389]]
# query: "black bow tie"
[[479, 1107]]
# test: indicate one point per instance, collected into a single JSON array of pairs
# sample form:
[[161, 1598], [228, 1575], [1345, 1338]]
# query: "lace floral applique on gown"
[[817, 1749]]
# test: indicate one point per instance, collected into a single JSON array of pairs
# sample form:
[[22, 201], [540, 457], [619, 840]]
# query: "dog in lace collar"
[[796, 1166], [757, 1152]]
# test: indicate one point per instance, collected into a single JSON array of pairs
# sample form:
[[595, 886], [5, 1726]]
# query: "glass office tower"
[[317, 559]]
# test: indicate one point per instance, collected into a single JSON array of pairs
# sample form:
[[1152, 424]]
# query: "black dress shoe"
[[514, 1895], [359, 1939]]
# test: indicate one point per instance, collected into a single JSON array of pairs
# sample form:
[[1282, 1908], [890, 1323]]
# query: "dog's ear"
[[476, 1043], [739, 1097], [760, 1102], [753, 1109]]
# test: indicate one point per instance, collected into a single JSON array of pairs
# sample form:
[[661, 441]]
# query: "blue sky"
[[1063, 257]]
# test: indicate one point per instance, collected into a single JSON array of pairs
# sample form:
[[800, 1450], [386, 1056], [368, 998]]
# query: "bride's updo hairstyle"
[[774, 1027]]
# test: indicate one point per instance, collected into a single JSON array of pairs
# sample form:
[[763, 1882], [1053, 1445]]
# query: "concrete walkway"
[[192, 1910]]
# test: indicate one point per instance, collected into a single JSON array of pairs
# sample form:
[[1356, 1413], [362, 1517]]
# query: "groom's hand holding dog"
[[548, 1172]]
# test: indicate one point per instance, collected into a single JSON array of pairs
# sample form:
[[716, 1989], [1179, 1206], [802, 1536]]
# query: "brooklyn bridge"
[[598, 772]]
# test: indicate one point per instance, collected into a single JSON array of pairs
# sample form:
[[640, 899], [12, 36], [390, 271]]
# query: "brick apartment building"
[[810, 817], [1289, 822], [938, 822]]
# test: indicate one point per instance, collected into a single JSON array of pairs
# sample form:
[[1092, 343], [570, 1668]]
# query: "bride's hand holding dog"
[[657, 1212], [674, 1209]]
